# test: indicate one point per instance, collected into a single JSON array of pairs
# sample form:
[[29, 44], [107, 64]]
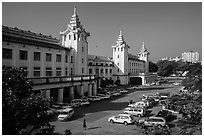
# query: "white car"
[[176, 84], [135, 112], [183, 89], [153, 121], [65, 114], [122, 118], [141, 103], [172, 111], [124, 91]]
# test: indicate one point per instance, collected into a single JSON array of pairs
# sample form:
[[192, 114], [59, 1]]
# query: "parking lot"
[[97, 113]]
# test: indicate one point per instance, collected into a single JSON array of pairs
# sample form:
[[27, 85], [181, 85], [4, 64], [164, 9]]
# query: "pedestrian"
[[84, 124]]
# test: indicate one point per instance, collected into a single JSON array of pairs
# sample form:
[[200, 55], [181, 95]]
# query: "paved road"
[[97, 114]]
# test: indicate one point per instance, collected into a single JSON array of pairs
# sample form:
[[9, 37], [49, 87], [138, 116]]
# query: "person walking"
[[84, 124]]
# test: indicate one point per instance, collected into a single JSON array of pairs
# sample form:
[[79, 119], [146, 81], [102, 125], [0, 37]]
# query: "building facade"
[[61, 69], [58, 68], [190, 56]]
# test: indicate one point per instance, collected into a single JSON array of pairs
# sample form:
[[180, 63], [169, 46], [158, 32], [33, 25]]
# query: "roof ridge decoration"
[[74, 24], [120, 41], [143, 49]]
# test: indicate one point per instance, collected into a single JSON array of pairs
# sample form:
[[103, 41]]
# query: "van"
[[65, 114], [135, 112]]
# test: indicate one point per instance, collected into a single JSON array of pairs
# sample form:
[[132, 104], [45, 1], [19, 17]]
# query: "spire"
[[75, 10], [143, 49], [75, 22], [120, 38]]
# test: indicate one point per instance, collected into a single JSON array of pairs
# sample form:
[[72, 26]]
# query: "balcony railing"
[[61, 79]]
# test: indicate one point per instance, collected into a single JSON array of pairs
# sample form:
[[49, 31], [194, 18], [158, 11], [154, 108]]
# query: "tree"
[[21, 108], [153, 67]]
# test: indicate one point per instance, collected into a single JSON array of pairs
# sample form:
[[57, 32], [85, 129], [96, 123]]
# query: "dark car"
[[165, 114]]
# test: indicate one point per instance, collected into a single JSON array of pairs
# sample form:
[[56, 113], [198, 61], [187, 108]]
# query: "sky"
[[167, 29]]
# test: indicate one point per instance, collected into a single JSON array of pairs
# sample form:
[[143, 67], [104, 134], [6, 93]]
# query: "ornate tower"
[[75, 37], [120, 59], [144, 55]]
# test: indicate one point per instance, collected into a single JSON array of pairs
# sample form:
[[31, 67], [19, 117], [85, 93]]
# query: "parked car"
[[176, 84], [84, 102], [163, 95], [65, 114], [165, 114], [136, 112], [172, 111], [104, 96], [153, 121], [141, 103], [183, 89], [116, 93], [75, 102], [123, 91], [110, 94], [94, 98], [63, 105], [122, 118]]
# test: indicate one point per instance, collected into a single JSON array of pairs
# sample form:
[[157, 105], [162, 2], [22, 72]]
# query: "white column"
[[90, 90], [95, 89], [60, 95], [71, 92], [82, 90], [47, 93]]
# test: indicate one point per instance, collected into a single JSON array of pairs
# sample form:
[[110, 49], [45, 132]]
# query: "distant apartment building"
[[172, 58], [190, 56]]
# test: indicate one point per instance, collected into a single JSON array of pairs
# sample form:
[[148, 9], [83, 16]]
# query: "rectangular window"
[[48, 71], [71, 59], [82, 70], [82, 60], [118, 70], [36, 72], [90, 71], [118, 63], [66, 58], [96, 64], [106, 71], [101, 64], [101, 70], [90, 63], [58, 71], [82, 49], [71, 71], [65, 36], [7, 53], [48, 57], [97, 71], [118, 56], [69, 37], [58, 58], [37, 56], [23, 55], [74, 36], [110, 71], [66, 71]]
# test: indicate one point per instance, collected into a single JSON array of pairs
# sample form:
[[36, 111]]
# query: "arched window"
[[65, 37], [74, 36], [122, 49]]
